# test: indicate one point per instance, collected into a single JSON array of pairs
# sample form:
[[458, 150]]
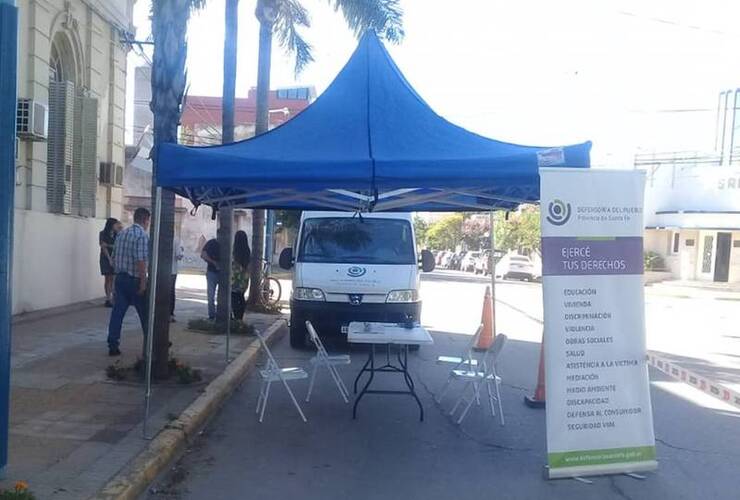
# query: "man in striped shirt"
[[130, 262]]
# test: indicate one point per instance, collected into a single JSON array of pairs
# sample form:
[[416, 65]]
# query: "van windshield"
[[344, 240]]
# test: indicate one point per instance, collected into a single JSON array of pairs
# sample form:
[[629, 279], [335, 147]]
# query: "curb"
[[134, 479], [674, 370]]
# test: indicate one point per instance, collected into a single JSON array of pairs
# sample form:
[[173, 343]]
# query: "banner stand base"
[[582, 480], [635, 476], [627, 469], [546, 476]]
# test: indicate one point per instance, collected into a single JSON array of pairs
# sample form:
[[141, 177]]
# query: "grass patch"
[[212, 327], [265, 308], [177, 370]]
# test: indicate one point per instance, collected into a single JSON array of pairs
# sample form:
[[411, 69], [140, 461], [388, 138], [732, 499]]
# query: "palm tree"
[[169, 26], [285, 18], [226, 214]]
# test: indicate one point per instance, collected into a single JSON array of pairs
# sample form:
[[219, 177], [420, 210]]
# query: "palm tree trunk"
[[169, 25], [225, 214], [261, 126]]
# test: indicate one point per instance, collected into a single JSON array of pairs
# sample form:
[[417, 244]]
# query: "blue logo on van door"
[[356, 271]]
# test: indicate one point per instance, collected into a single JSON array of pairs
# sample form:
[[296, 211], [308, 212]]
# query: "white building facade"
[[71, 151], [692, 216]]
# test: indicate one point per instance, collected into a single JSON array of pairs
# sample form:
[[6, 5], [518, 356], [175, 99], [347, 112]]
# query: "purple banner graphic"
[[570, 256]]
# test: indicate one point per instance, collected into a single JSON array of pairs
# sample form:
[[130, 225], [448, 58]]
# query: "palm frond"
[[291, 17], [385, 17]]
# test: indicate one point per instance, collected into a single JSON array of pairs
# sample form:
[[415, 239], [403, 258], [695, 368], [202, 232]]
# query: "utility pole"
[[8, 90]]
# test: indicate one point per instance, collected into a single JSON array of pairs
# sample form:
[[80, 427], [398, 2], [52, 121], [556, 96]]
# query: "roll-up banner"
[[599, 418]]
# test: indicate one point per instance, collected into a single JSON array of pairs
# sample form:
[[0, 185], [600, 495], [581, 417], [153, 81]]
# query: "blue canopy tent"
[[368, 143]]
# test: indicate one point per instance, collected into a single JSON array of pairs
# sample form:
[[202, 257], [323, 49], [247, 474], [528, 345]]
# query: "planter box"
[[657, 276]]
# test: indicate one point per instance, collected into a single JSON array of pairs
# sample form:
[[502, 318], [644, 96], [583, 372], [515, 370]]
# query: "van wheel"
[[297, 333]]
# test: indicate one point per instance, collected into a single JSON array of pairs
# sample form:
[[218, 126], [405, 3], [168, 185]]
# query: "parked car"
[[468, 262], [456, 261], [483, 263], [445, 260], [516, 267]]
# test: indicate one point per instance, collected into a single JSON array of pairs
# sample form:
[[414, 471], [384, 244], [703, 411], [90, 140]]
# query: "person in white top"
[[177, 254]]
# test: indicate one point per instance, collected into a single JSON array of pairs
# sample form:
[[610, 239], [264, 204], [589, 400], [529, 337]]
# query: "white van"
[[353, 267]]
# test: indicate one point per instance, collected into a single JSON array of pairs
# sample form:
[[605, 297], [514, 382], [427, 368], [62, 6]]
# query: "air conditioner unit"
[[110, 174], [32, 120]]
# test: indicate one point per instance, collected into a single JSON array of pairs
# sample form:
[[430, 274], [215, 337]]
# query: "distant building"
[[70, 155], [201, 115], [200, 126], [692, 204]]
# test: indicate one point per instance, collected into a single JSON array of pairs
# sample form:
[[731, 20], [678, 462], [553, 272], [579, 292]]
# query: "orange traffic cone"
[[538, 401], [486, 335]]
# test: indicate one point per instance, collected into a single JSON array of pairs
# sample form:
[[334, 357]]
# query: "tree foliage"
[[288, 219], [420, 230], [520, 232], [385, 17], [446, 233]]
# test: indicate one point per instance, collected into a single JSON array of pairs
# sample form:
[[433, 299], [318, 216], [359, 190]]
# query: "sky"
[[631, 76]]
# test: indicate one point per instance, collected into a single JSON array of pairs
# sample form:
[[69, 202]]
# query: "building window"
[[296, 94], [689, 242], [71, 176], [56, 69], [706, 261], [676, 241]]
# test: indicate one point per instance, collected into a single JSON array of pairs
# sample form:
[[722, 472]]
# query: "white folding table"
[[387, 334]]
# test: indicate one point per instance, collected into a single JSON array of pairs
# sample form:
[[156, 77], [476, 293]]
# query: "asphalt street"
[[388, 454]]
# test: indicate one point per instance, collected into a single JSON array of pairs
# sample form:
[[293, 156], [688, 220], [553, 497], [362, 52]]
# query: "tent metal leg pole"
[[229, 312], [157, 216], [8, 91], [493, 271], [269, 243]]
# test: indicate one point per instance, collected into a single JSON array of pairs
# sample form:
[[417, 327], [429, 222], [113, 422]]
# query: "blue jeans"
[[126, 295], [212, 280]]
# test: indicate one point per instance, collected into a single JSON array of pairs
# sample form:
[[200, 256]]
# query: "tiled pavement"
[[71, 428]]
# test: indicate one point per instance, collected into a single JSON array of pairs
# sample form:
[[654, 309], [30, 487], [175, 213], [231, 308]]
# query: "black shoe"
[[114, 351], [108, 303]]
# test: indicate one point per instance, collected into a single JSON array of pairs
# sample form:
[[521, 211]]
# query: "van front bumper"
[[329, 317]]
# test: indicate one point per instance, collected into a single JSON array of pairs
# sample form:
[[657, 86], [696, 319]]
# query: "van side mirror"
[[427, 261], [286, 258]]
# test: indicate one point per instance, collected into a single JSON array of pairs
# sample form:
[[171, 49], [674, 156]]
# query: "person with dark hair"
[[130, 261], [178, 252], [106, 239], [211, 253], [240, 274]]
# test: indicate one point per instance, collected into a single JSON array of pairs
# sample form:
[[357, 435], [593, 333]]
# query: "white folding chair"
[[273, 373], [466, 360], [476, 379], [323, 358]]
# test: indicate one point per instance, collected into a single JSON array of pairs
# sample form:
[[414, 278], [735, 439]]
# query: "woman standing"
[[240, 274], [106, 239]]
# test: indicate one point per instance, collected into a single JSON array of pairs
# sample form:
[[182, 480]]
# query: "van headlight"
[[402, 296], [308, 294]]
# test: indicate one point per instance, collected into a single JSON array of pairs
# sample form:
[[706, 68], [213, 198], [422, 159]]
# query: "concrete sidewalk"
[[71, 428]]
